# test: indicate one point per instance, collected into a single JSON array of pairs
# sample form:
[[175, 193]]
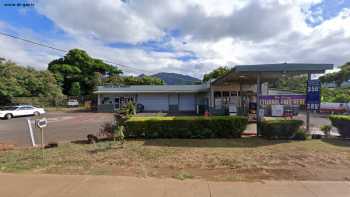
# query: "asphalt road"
[[62, 126], [316, 120]]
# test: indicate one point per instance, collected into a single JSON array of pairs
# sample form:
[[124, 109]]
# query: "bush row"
[[41, 101], [186, 127], [342, 123], [281, 129]]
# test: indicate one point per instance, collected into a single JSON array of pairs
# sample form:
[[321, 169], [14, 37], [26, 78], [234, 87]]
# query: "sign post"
[[30, 129], [313, 98], [42, 123]]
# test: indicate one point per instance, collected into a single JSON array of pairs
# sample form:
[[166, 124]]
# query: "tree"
[[75, 89], [145, 80], [78, 66], [18, 81], [337, 77], [337, 95], [221, 71], [131, 80], [290, 83]]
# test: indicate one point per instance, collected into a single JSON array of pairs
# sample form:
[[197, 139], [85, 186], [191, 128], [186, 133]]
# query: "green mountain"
[[176, 79]]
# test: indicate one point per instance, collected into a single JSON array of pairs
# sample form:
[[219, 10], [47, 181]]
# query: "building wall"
[[154, 102]]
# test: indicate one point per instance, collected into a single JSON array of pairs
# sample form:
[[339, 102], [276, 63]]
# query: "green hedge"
[[342, 123], [280, 129], [186, 127]]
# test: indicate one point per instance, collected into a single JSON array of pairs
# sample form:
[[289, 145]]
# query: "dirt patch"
[[4, 147]]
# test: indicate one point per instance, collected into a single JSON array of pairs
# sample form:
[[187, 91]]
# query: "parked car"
[[73, 103], [9, 112]]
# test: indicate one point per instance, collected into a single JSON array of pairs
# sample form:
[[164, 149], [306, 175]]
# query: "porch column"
[[98, 99], [258, 94], [211, 99], [240, 96]]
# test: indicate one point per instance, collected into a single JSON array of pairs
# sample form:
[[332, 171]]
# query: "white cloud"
[[223, 32], [107, 20]]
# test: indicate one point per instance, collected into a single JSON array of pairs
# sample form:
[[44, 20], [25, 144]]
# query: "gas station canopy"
[[270, 72]]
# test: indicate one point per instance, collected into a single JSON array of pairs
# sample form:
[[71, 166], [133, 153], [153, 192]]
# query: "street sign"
[[313, 97], [41, 123], [282, 100]]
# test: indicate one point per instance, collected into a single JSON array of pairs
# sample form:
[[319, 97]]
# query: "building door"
[[173, 103], [117, 103], [187, 102]]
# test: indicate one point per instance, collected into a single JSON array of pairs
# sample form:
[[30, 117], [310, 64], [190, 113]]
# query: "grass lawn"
[[245, 159]]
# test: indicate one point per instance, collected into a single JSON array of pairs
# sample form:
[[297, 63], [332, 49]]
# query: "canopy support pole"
[[258, 94]]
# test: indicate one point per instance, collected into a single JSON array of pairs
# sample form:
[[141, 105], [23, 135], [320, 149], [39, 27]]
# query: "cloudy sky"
[[185, 36]]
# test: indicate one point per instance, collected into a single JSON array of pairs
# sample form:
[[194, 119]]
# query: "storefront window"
[[225, 94]]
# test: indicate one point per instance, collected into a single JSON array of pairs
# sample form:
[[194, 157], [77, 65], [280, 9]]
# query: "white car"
[[20, 110], [73, 103]]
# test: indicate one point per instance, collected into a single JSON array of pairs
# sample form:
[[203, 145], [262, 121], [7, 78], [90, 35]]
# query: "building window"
[[235, 93], [122, 101], [218, 103], [106, 100], [116, 102], [217, 94]]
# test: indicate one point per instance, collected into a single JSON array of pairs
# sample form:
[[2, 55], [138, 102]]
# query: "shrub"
[[326, 129], [299, 135], [186, 127], [342, 123], [41, 101], [280, 129], [128, 109]]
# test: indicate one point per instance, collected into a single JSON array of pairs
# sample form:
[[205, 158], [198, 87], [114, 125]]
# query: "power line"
[[65, 51], [33, 42]]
